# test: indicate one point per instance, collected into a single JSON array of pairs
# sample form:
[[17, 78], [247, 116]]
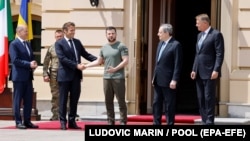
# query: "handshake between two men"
[[81, 66], [110, 69]]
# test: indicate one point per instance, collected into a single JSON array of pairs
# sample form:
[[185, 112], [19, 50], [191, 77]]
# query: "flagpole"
[[6, 103]]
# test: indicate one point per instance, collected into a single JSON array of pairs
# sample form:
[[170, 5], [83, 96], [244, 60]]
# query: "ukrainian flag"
[[24, 17]]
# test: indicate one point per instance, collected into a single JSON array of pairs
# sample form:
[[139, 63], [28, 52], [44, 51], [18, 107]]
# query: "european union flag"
[[25, 17]]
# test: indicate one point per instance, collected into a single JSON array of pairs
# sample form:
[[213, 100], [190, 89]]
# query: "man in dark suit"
[[166, 75], [207, 67], [23, 65], [69, 51]]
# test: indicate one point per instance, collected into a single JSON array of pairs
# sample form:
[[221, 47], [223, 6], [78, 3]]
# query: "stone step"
[[228, 121]]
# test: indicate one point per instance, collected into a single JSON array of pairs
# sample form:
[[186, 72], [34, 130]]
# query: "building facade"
[[137, 22]]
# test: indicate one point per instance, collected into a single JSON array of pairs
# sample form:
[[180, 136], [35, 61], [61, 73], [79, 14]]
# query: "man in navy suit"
[[166, 75], [207, 67], [69, 51], [23, 65]]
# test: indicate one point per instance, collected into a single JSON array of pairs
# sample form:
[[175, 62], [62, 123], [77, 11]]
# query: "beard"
[[111, 40]]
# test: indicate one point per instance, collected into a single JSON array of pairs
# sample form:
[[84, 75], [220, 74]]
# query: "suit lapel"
[[158, 50], [65, 42], [22, 44], [169, 44], [67, 47], [204, 41], [197, 46], [71, 49]]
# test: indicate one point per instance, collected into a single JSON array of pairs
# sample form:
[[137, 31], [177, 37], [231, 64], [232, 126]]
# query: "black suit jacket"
[[210, 56], [169, 66], [67, 62]]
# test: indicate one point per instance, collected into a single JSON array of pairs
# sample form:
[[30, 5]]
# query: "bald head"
[[22, 31]]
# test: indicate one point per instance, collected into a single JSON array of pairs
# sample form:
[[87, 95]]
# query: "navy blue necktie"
[[72, 47], [26, 46]]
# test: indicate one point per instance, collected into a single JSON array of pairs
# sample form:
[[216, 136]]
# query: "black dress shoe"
[[20, 126], [63, 126], [30, 125], [73, 126]]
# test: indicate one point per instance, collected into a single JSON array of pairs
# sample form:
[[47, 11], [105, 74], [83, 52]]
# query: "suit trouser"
[[167, 97], [71, 89], [206, 91], [23, 94], [115, 87]]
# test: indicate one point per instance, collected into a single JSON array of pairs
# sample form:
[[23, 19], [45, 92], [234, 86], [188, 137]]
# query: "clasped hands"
[[33, 64]]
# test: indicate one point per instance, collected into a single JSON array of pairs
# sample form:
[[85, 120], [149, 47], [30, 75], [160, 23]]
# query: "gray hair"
[[167, 28]]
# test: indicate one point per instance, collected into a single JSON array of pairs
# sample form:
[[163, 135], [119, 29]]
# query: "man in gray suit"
[[166, 75], [207, 67]]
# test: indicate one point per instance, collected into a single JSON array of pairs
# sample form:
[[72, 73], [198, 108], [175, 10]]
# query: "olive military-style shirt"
[[51, 61]]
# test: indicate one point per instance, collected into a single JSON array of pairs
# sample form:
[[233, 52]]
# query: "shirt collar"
[[20, 39], [67, 39], [207, 30], [167, 40]]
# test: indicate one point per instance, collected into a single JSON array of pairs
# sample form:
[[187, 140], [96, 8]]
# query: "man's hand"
[[81, 66], [193, 75], [46, 79], [173, 84], [111, 69], [33, 64], [214, 75]]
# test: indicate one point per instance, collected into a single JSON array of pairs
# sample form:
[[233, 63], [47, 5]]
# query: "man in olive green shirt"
[[114, 54]]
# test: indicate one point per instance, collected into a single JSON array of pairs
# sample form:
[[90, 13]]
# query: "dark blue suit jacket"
[[20, 59], [169, 66], [67, 63], [210, 56]]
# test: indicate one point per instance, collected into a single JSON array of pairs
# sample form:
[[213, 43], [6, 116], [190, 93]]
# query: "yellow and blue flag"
[[24, 17]]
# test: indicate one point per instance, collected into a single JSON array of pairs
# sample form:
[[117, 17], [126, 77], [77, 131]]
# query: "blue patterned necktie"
[[162, 48], [201, 40]]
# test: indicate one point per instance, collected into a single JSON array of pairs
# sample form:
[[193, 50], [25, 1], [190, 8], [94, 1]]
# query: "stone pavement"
[[38, 135], [76, 135], [44, 135]]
